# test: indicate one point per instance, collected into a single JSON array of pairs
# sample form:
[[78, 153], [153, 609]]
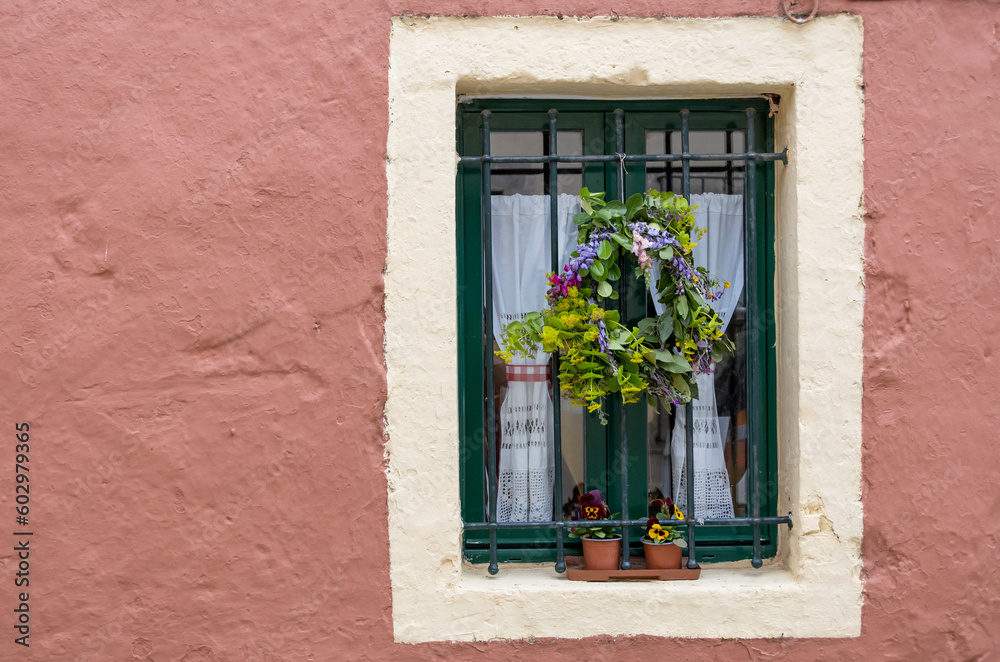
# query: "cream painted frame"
[[813, 589]]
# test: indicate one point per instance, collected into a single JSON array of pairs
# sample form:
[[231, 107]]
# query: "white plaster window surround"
[[813, 588]]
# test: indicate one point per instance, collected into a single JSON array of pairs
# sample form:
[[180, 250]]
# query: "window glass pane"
[[730, 399], [659, 174], [665, 437], [523, 178], [573, 429], [706, 176], [532, 178], [573, 449]]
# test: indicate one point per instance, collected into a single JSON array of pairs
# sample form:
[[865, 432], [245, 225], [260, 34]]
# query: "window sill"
[[532, 601]]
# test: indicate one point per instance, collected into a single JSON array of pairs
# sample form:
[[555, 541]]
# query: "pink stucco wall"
[[193, 234]]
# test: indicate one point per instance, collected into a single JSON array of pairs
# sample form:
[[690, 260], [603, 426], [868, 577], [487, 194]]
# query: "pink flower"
[[639, 246]]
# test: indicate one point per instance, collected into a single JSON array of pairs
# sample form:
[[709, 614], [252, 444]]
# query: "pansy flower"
[[592, 505], [656, 532]]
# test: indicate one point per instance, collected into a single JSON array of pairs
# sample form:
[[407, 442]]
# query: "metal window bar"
[[729, 164], [689, 408], [556, 399], [750, 157], [491, 415], [750, 267], [623, 453]]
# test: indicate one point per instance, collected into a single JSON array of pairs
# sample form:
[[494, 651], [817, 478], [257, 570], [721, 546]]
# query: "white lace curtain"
[[721, 252], [521, 259]]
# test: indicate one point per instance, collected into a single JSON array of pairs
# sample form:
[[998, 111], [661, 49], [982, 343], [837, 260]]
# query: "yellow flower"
[[631, 393], [505, 355], [728, 284], [567, 319]]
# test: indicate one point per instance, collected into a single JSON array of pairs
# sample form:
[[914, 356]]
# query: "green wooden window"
[[591, 450]]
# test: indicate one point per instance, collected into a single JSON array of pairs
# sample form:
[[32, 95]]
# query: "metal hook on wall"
[[798, 17]]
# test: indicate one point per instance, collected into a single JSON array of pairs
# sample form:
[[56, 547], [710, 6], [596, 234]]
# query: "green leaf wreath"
[[599, 354]]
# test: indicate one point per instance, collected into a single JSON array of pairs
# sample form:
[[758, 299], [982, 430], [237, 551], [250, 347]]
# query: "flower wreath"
[[600, 355]]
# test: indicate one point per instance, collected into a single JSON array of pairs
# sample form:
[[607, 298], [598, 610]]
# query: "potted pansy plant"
[[663, 540], [601, 544]]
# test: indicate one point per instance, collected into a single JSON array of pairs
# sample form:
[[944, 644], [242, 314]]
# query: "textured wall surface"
[[192, 240]]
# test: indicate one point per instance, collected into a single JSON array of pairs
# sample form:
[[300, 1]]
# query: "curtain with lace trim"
[[521, 260], [721, 252]]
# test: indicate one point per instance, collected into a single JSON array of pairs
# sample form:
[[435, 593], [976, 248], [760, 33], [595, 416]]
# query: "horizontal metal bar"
[[744, 521], [474, 526], [608, 158], [733, 521], [709, 169]]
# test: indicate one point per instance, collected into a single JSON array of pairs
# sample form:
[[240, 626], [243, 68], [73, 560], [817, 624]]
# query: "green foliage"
[[599, 356]]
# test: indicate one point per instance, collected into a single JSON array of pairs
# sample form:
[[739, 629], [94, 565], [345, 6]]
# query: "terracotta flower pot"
[[601, 553], [662, 557]]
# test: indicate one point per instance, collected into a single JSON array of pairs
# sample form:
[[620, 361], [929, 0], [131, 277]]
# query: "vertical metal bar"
[[556, 399], [729, 164], [752, 332], [668, 138], [685, 155], [486, 202], [620, 152], [622, 295], [689, 409], [733, 463]]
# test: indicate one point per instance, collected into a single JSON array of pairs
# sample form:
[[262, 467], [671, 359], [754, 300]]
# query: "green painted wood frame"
[[595, 119]]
